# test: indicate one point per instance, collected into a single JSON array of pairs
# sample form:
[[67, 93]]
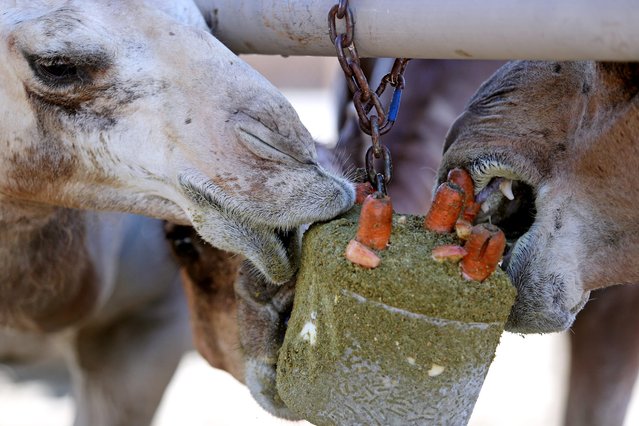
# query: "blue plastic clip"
[[394, 106]]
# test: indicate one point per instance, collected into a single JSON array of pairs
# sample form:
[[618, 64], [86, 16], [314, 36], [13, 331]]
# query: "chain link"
[[374, 120]]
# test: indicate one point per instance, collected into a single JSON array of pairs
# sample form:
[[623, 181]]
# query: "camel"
[[112, 109]]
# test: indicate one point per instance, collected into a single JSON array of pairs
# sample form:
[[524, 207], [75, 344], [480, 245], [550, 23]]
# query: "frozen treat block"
[[408, 342]]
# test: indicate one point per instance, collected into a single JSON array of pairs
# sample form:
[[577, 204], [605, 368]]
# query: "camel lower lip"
[[287, 244], [273, 252]]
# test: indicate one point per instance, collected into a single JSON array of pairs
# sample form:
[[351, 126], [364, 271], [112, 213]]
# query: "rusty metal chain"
[[374, 120]]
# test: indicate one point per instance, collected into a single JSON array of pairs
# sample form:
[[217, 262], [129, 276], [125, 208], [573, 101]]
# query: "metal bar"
[[437, 29]]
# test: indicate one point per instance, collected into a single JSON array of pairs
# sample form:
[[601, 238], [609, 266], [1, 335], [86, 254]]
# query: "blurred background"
[[525, 386]]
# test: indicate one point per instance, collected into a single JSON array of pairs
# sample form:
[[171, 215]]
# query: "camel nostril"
[[268, 139]]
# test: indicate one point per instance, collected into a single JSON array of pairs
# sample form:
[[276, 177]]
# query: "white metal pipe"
[[438, 29]]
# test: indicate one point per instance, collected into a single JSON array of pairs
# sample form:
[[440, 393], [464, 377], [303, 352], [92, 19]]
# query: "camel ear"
[[621, 78]]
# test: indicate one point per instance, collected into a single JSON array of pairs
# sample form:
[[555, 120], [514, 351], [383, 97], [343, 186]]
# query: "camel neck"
[[44, 266], [22, 216]]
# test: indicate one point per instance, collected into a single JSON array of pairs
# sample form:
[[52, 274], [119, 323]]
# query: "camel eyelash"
[[61, 71]]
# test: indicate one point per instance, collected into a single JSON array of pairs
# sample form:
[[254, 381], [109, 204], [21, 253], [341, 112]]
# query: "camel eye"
[[59, 71]]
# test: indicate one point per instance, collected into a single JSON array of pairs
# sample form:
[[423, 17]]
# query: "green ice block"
[[409, 342]]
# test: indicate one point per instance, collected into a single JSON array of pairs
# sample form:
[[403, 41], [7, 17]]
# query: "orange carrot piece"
[[446, 208], [375, 221], [471, 210], [448, 253], [361, 255], [462, 179], [485, 247]]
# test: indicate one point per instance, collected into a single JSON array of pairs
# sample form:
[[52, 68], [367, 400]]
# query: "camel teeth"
[[506, 188], [485, 207]]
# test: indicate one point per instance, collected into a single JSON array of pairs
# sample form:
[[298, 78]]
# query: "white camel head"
[[133, 106]]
